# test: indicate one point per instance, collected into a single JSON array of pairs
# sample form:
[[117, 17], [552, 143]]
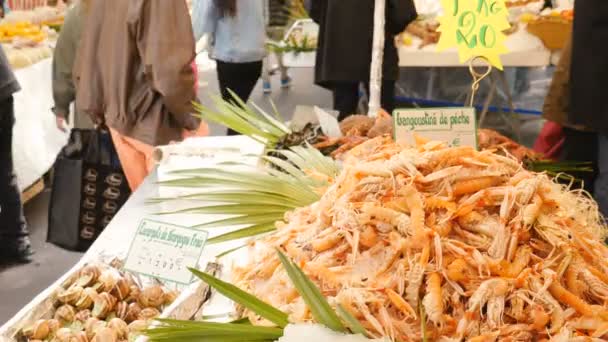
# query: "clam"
[[54, 325], [121, 289], [71, 295], [153, 296], [65, 313], [87, 298], [148, 313], [64, 335], [80, 336], [121, 309], [138, 325], [104, 304], [170, 297], [134, 293], [120, 327], [39, 331], [92, 326], [133, 312], [83, 315], [88, 275], [127, 312], [107, 280], [105, 335]]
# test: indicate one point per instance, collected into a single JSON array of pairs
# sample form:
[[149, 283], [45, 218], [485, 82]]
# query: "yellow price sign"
[[475, 27]]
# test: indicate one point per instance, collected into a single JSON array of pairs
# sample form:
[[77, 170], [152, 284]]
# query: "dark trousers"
[[581, 146], [238, 77], [600, 189], [13, 230], [346, 97]]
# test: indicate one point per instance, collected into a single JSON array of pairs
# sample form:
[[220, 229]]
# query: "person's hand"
[[61, 123]]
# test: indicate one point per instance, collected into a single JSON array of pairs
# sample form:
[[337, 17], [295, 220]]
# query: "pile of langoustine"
[[359, 128], [469, 241]]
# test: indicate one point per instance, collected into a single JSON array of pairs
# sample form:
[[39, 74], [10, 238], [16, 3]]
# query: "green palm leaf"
[[253, 197], [244, 299], [232, 196], [244, 233], [231, 209], [173, 330], [247, 120], [242, 329], [319, 307], [353, 323], [240, 220]]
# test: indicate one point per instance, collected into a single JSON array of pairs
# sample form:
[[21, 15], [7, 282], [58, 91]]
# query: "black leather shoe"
[[16, 254]]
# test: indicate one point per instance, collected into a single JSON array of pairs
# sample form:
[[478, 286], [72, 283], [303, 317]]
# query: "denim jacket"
[[238, 39]]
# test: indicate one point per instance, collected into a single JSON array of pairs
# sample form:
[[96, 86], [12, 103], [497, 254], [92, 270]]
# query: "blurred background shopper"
[[343, 61], [237, 37], [15, 244], [64, 92], [133, 72], [588, 74], [278, 14]]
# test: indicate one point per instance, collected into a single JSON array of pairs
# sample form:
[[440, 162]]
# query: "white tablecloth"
[[36, 139]]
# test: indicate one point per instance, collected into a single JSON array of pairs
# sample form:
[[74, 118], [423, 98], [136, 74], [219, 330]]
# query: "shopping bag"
[[89, 187]]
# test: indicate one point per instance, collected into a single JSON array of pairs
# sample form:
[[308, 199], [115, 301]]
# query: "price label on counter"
[[456, 126], [165, 251], [475, 27]]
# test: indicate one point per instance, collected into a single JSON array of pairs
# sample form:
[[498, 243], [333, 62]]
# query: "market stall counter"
[[115, 242], [36, 139]]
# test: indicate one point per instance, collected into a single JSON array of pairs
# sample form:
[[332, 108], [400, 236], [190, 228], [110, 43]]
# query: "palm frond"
[[250, 231], [351, 322], [174, 330], [318, 305], [245, 299], [255, 198], [565, 166], [249, 120], [242, 329]]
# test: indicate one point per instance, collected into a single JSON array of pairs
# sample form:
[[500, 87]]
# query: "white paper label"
[[325, 118], [302, 115], [165, 251], [455, 126], [329, 124]]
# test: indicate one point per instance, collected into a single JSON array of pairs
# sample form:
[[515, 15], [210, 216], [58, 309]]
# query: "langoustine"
[[517, 245]]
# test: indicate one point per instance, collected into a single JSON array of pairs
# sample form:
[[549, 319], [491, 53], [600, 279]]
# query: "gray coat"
[[64, 92]]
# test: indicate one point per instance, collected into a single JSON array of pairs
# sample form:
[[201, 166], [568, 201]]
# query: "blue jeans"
[[601, 182]]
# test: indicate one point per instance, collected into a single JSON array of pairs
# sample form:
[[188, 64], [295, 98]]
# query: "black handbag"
[[89, 187]]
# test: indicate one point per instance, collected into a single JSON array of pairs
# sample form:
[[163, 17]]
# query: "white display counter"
[[36, 139], [115, 240], [525, 50]]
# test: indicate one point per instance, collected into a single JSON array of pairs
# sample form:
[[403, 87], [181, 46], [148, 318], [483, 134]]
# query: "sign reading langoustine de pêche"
[[455, 126], [165, 251]]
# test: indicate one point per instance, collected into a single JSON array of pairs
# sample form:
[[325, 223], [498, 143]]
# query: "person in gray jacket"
[[64, 92], [14, 237]]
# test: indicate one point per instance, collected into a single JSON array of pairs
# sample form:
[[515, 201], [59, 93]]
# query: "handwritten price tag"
[[476, 28], [456, 126], [165, 251]]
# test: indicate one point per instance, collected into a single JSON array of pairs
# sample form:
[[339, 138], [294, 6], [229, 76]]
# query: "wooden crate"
[[33, 191]]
